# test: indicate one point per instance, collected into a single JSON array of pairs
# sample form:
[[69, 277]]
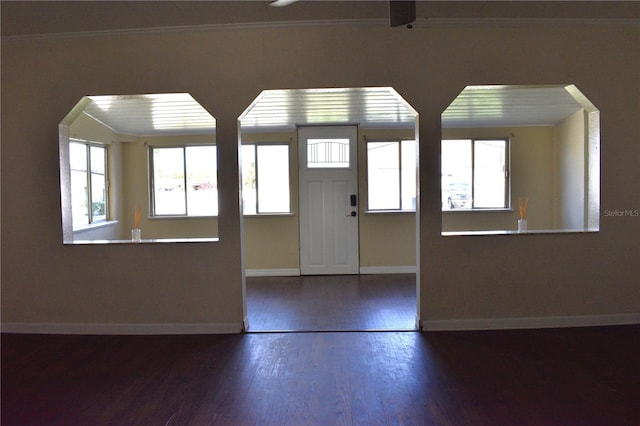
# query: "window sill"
[[515, 232], [94, 226], [180, 217], [269, 214], [474, 211], [389, 212], [152, 241]]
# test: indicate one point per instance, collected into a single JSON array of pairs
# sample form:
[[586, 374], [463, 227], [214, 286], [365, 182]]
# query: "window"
[[265, 179], [391, 175], [328, 153], [88, 163], [475, 174], [184, 180]]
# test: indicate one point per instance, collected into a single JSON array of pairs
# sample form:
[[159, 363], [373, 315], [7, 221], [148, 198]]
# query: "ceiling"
[[379, 107], [38, 18], [151, 115], [372, 107], [509, 106]]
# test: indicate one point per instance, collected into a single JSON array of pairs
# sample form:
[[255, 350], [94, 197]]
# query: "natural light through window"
[[88, 164], [475, 174], [328, 153], [184, 181], [265, 179], [391, 175]]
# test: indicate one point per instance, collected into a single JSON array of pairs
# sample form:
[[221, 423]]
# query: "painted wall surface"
[[137, 191], [129, 185], [466, 277], [571, 154], [532, 176], [272, 242], [386, 239]]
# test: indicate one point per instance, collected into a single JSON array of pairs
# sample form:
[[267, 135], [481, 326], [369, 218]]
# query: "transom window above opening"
[[328, 153]]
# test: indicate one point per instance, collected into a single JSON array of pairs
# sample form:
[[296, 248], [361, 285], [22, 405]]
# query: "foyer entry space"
[[332, 303]]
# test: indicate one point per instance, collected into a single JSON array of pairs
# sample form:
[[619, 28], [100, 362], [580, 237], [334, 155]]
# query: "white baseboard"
[[233, 328], [245, 323], [525, 323], [134, 329], [388, 269], [293, 272], [272, 272]]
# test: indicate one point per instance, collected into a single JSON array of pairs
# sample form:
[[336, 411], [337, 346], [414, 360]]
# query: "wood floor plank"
[[332, 303], [527, 377]]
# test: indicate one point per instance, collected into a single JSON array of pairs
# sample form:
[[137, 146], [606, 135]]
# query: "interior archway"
[[110, 183], [520, 159], [387, 240]]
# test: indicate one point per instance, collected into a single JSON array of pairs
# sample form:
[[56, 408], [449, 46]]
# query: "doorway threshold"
[[370, 330]]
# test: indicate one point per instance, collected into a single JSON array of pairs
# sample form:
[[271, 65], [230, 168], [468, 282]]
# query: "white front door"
[[328, 182]]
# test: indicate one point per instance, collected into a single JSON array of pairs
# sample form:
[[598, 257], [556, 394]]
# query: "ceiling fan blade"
[[281, 3], [401, 12]]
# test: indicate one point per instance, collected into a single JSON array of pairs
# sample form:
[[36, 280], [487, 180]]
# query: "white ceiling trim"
[[243, 26], [379, 22]]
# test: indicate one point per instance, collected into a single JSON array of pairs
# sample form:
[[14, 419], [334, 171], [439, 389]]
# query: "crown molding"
[[418, 23]]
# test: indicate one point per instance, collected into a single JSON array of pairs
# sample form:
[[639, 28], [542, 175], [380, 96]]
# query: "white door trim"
[[329, 240]]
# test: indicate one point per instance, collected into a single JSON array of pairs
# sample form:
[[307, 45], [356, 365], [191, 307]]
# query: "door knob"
[[354, 214]]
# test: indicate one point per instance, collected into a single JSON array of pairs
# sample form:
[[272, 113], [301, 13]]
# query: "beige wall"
[[461, 278], [532, 176], [386, 240], [88, 129], [571, 183], [271, 242], [129, 185], [136, 191]]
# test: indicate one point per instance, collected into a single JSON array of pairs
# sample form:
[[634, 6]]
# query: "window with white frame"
[[475, 174], [184, 180], [89, 201], [391, 175], [265, 179]]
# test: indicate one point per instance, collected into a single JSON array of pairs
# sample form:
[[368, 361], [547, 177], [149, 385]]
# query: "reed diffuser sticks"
[[523, 203], [138, 215]]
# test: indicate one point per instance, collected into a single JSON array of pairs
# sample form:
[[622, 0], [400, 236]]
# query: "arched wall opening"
[[146, 162], [383, 205], [520, 159]]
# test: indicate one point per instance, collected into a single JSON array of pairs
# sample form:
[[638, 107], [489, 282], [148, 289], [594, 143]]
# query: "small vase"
[[522, 225], [136, 235]]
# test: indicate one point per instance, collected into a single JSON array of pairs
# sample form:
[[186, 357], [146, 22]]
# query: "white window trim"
[[257, 206], [152, 206], [399, 210], [508, 208], [107, 221]]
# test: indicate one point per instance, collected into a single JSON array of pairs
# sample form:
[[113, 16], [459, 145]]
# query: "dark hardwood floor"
[[332, 303], [582, 376]]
